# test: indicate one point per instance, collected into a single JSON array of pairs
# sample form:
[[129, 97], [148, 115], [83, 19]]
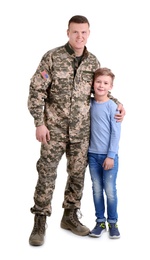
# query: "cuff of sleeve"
[[38, 123], [111, 155]]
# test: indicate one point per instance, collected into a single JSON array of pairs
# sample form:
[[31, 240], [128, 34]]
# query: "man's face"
[[78, 35]]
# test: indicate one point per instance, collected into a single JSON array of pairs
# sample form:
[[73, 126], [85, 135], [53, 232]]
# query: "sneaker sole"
[[114, 237], [96, 236]]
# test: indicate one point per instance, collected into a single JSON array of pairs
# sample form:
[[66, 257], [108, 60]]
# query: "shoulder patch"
[[44, 74]]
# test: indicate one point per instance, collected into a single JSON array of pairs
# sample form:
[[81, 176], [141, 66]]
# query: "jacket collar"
[[71, 51]]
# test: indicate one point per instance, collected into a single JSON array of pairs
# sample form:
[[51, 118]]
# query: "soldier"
[[59, 101]]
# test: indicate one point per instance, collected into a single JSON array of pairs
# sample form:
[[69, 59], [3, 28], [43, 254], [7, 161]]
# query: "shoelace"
[[79, 214], [113, 226], [75, 216], [102, 225], [39, 226]]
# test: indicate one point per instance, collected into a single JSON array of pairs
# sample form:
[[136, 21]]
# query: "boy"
[[103, 153]]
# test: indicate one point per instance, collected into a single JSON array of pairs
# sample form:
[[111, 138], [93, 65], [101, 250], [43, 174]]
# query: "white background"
[[120, 39]]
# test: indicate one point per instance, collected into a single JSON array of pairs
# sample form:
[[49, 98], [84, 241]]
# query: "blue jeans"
[[103, 181]]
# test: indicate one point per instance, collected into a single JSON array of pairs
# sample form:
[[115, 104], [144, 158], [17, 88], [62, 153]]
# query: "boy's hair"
[[78, 19], [103, 72]]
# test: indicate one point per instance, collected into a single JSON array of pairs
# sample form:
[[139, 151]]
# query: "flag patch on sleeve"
[[44, 74]]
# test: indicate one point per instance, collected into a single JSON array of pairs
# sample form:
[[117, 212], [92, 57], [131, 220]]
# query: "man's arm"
[[38, 92], [119, 116]]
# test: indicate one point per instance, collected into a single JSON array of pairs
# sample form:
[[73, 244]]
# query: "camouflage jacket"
[[59, 93]]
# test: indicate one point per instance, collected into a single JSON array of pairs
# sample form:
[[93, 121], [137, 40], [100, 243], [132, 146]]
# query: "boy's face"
[[102, 84]]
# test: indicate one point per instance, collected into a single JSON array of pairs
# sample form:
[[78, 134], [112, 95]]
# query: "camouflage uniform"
[[59, 97]]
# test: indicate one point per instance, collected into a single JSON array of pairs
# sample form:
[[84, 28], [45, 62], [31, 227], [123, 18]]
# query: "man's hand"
[[120, 116], [42, 134]]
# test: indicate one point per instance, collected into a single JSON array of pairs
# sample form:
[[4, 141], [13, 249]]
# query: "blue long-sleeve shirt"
[[105, 131]]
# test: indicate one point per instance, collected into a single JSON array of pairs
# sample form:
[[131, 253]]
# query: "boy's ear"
[[111, 86]]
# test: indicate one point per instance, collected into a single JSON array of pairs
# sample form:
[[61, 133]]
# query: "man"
[[59, 101]]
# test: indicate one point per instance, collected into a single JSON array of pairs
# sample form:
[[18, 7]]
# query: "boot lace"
[[39, 225], [75, 216], [79, 214]]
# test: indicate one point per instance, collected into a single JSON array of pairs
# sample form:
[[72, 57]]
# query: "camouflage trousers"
[[51, 154]]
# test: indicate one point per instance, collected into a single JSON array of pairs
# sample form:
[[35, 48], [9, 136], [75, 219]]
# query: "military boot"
[[37, 235], [71, 222]]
